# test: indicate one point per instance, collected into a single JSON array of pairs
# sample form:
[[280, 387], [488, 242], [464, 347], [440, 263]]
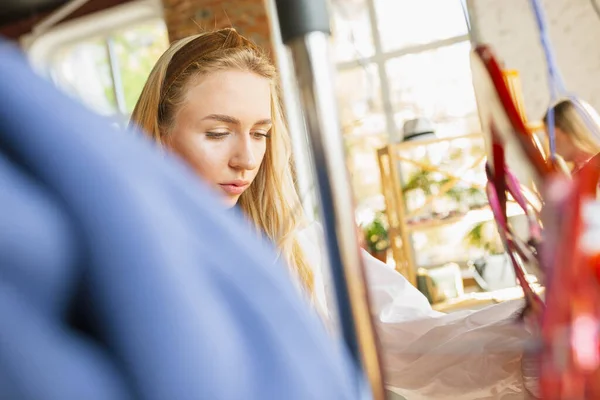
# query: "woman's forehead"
[[242, 94]]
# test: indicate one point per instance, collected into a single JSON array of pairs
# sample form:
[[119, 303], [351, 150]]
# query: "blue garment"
[[121, 277]]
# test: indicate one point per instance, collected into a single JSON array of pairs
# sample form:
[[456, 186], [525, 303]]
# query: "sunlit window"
[[352, 30], [399, 60], [406, 23], [107, 72], [439, 88], [359, 101]]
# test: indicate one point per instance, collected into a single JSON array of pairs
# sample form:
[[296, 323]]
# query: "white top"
[[427, 354]]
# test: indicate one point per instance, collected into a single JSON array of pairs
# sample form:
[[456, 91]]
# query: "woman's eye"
[[261, 134], [216, 135]]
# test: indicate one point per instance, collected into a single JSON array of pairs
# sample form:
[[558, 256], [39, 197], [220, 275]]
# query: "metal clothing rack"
[[304, 29]]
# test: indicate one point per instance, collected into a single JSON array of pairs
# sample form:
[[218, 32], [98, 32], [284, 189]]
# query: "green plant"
[[376, 234], [462, 193], [484, 236], [421, 179], [429, 182]]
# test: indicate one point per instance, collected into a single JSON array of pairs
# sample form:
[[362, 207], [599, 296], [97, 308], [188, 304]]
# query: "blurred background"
[[409, 117]]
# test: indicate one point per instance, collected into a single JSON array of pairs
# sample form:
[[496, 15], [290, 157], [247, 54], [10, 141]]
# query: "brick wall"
[[189, 17], [509, 26]]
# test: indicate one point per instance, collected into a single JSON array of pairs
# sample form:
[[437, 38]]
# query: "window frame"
[[40, 48], [380, 58]]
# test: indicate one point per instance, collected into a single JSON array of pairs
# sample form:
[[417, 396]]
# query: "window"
[[83, 70], [104, 68], [108, 72], [359, 101], [407, 23], [398, 60], [353, 31], [439, 87]]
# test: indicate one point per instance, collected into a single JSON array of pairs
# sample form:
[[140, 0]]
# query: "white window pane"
[[137, 50], [359, 101], [404, 23], [83, 71], [437, 85], [361, 155], [364, 129], [352, 37]]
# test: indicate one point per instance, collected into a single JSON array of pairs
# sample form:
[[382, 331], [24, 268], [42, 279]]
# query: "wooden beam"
[[19, 28]]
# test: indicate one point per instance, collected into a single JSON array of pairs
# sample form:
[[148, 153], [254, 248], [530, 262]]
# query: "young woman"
[[213, 99], [575, 143]]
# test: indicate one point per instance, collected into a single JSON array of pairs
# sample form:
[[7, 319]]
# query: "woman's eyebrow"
[[223, 118], [232, 120]]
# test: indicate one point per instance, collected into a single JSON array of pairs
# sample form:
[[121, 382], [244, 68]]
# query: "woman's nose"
[[243, 156]]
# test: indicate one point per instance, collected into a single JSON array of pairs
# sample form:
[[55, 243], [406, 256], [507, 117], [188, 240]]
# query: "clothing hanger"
[[505, 129], [571, 273], [556, 85]]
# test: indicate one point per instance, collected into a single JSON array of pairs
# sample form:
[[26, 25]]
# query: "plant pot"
[[381, 255]]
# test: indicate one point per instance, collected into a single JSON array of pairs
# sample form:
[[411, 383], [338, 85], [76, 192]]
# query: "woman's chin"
[[230, 201]]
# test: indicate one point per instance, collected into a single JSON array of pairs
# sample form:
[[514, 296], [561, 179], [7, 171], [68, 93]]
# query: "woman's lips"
[[234, 188]]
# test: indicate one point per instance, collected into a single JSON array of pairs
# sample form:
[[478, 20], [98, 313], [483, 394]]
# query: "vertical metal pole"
[[295, 120], [305, 30]]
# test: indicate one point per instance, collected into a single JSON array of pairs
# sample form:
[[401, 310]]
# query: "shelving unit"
[[440, 159], [451, 163], [454, 165]]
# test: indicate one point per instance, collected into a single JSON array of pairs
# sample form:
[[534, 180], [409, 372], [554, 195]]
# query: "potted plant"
[[484, 235], [376, 237]]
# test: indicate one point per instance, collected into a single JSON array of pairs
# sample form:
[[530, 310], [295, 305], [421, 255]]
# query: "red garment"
[[593, 162]]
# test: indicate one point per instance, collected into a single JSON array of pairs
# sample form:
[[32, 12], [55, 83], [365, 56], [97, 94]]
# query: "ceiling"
[[14, 10], [17, 17]]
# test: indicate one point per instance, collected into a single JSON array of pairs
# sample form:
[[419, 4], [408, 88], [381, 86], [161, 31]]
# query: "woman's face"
[[564, 146], [222, 129]]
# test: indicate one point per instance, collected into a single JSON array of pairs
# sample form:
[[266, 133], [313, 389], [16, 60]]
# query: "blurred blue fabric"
[[122, 277]]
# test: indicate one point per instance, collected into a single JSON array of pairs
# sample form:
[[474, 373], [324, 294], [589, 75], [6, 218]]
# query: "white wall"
[[509, 26]]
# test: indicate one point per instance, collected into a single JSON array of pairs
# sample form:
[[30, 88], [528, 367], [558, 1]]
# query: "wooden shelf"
[[460, 165], [476, 300], [394, 158], [437, 166], [474, 215]]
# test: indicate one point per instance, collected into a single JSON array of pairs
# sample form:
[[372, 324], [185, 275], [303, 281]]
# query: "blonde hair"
[[271, 201], [568, 118]]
